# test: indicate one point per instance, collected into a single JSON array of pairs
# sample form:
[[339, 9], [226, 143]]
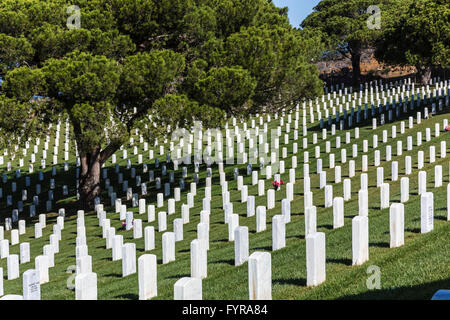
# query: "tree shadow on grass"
[[300, 237], [326, 226], [414, 230], [221, 240], [293, 282], [129, 296], [115, 275], [347, 262], [419, 292], [379, 244], [178, 276], [268, 248], [230, 262]]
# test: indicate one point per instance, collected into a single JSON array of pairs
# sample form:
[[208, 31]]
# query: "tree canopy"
[[147, 64], [417, 33], [344, 23]]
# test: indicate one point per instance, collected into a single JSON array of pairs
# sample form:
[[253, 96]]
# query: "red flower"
[[277, 183]]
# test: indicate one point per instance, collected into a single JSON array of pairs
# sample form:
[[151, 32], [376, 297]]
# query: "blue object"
[[441, 295]]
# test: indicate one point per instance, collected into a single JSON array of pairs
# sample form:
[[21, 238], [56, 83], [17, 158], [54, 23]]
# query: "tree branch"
[[109, 151]]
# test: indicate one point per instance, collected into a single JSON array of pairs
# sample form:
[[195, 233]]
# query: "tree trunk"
[[89, 187], [424, 75], [356, 65]]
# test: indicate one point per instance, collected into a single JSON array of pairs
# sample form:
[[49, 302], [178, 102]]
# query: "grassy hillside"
[[414, 271]]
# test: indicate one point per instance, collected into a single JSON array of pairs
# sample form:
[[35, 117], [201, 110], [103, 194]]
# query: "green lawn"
[[414, 271]]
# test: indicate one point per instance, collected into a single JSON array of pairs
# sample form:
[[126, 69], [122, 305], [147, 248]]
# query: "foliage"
[[417, 33], [344, 22], [204, 59]]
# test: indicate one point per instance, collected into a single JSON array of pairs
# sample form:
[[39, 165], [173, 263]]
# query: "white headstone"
[[84, 264], [42, 264], [149, 235], [363, 201], [448, 202], [162, 221], [360, 239], [31, 285], [117, 247], [128, 259], [426, 212], [188, 289], [241, 245], [233, 223], [260, 276], [286, 210], [198, 259], [384, 195], [24, 252], [168, 247], [270, 199], [13, 266], [328, 196], [37, 230], [397, 224], [147, 275], [260, 218], [422, 182], [315, 259], [404, 189], [278, 232], [86, 286], [338, 212]]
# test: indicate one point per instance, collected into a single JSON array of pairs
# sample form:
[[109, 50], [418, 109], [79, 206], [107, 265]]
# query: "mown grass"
[[414, 271]]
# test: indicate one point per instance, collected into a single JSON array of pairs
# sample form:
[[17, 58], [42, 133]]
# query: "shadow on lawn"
[[292, 282], [115, 275], [128, 296], [420, 292], [379, 244], [326, 226], [230, 262], [347, 262]]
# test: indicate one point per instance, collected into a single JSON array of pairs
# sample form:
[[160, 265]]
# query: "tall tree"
[[417, 33], [345, 22], [147, 64]]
